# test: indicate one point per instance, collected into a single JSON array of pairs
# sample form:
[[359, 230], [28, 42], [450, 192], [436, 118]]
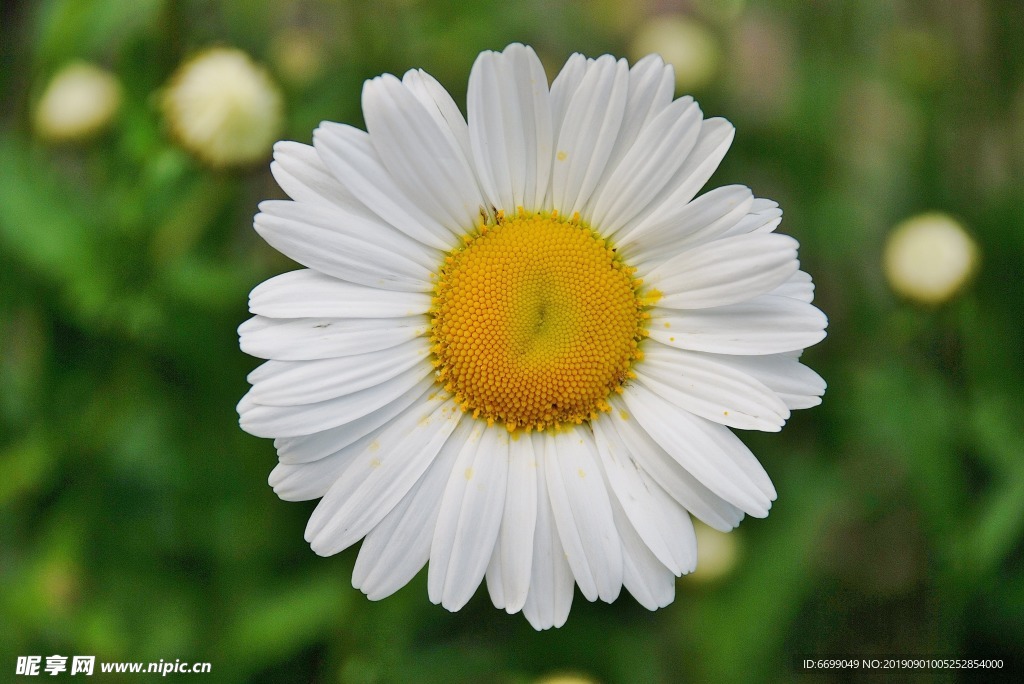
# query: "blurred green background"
[[135, 519]]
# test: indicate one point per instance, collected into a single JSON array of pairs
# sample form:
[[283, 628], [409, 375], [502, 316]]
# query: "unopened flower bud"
[[929, 257], [79, 101], [686, 44], [224, 108]]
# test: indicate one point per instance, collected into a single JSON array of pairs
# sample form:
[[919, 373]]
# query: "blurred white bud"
[[716, 553], [686, 44], [79, 101], [929, 257], [566, 678], [224, 108]]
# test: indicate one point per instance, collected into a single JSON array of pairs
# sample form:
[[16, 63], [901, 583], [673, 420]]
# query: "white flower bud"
[[686, 44], [79, 101], [929, 257], [224, 108], [716, 553]]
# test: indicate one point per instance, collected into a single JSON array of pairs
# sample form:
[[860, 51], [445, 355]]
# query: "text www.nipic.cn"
[[86, 665]]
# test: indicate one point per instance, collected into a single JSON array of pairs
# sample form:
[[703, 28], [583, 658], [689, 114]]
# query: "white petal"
[[510, 127], [727, 211], [799, 286], [551, 581], [588, 133], [292, 421], [764, 325], [664, 470], [495, 582], [377, 479], [764, 217], [424, 159], [351, 157], [564, 87], [352, 228], [308, 293], [293, 383], [469, 519], [766, 207], [796, 384], [305, 481], [658, 520], [658, 152], [301, 173], [305, 339], [725, 271], [713, 142], [350, 248], [705, 385], [651, 583], [441, 107], [306, 448], [491, 129], [732, 448], [696, 446], [655, 241], [583, 513], [302, 481], [651, 87], [511, 564], [397, 548]]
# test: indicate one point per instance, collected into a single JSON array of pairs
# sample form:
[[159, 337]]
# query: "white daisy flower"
[[519, 342]]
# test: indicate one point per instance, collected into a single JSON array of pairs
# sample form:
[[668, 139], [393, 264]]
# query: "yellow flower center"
[[535, 321]]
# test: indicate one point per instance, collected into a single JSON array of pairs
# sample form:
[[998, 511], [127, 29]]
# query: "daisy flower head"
[[519, 342]]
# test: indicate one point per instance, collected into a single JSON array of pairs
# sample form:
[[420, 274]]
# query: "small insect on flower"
[[519, 341]]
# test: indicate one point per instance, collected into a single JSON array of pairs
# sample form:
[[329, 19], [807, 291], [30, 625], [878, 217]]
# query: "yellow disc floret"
[[535, 321]]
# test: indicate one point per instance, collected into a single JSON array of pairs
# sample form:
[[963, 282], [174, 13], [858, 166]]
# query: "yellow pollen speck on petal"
[[374, 446], [582, 473], [562, 155], [375, 463], [535, 322], [469, 473], [651, 298]]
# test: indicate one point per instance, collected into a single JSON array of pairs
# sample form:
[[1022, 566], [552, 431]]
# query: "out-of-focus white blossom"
[[566, 678], [716, 553], [929, 257], [79, 101], [224, 108], [686, 44]]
